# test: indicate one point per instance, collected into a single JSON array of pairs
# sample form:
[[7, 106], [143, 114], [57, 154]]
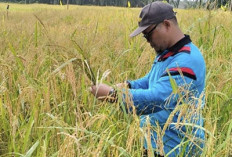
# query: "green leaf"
[[28, 133], [173, 83], [36, 34], [18, 60], [32, 149]]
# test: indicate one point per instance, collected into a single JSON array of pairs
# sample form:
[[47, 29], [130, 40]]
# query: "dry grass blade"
[[40, 21], [89, 72], [85, 59], [84, 56], [61, 66]]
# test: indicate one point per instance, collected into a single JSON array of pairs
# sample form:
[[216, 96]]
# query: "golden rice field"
[[45, 106]]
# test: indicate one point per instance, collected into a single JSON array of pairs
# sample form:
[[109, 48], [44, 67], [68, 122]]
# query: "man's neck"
[[176, 36]]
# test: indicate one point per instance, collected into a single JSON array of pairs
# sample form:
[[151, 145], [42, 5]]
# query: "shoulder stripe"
[[162, 58], [181, 71], [184, 49]]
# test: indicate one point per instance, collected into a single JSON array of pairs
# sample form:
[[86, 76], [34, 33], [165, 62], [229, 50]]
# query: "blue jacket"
[[154, 100]]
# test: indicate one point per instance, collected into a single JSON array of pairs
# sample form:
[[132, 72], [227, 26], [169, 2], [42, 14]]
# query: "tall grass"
[[45, 106]]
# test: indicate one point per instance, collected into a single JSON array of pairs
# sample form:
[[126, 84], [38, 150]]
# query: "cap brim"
[[138, 31]]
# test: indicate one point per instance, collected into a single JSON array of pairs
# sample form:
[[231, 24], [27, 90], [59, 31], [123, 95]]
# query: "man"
[[170, 97]]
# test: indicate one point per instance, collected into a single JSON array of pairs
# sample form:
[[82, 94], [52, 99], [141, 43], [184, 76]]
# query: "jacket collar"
[[178, 47], [180, 43]]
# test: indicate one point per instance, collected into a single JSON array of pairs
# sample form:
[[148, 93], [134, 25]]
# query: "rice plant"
[[50, 56]]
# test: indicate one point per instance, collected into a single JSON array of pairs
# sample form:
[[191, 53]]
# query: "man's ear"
[[167, 23]]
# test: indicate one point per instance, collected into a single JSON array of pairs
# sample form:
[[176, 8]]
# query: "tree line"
[[133, 3]]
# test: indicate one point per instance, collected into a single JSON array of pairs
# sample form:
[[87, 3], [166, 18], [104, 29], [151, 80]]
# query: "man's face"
[[156, 35]]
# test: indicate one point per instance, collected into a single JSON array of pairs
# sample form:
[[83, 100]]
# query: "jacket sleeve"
[[141, 83], [159, 95]]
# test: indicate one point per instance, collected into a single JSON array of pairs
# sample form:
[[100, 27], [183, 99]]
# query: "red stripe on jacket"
[[185, 48], [186, 70]]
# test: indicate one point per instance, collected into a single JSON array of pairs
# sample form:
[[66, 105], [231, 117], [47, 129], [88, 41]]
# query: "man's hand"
[[100, 91]]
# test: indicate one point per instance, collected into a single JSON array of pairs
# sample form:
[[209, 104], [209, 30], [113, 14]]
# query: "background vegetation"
[[134, 3], [45, 106]]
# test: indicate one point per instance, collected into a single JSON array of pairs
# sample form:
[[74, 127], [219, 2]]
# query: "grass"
[[45, 106]]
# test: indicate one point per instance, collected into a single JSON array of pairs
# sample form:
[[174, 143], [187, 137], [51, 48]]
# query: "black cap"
[[153, 13]]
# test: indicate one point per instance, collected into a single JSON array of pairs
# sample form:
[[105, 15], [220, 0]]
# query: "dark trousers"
[[145, 154]]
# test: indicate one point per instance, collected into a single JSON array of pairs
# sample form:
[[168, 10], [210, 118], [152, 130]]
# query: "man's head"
[[158, 24], [153, 13]]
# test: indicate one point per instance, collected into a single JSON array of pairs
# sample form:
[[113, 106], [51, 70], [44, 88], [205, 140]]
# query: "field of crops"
[[45, 105]]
